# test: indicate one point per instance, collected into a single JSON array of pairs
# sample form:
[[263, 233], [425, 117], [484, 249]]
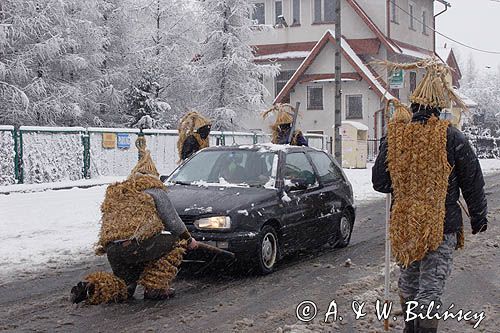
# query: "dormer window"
[[324, 11], [259, 13], [296, 12], [278, 11], [394, 11], [424, 22], [411, 11]]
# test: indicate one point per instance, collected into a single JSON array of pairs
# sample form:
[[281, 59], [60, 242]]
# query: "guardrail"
[[33, 154]]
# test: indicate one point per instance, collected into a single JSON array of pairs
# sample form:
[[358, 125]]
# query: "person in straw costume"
[[283, 125], [142, 235], [424, 162], [193, 134]]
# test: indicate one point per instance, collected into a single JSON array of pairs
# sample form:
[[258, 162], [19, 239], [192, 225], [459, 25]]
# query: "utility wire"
[[443, 35]]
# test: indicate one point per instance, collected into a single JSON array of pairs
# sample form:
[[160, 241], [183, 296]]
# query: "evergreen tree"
[[231, 81], [49, 59], [161, 44]]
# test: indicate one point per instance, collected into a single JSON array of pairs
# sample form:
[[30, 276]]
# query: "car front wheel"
[[267, 251], [345, 230]]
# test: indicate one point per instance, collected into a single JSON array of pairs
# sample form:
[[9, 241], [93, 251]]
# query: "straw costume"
[[193, 134], [424, 163], [142, 235], [282, 125]]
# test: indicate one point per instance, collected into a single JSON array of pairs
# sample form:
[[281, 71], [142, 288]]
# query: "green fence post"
[[86, 155], [18, 157], [222, 139], [141, 134]]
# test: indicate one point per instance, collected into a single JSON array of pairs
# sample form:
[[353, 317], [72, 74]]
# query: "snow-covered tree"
[[231, 82], [484, 89], [50, 57], [143, 103], [162, 42]]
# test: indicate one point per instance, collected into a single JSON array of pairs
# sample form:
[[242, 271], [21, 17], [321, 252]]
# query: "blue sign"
[[123, 140]]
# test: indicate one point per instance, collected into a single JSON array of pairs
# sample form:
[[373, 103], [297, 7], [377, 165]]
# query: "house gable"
[[353, 64]]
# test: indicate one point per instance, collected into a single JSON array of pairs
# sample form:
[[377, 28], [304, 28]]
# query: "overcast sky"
[[473, 22]]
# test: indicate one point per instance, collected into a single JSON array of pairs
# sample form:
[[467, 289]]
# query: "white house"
[[302, 42]]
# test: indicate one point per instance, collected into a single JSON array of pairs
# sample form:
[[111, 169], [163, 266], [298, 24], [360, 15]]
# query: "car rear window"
[[327, 170]]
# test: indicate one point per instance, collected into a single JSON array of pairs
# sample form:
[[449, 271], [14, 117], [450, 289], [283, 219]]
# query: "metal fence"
[[485, 147], [49, 154], [373, 145]]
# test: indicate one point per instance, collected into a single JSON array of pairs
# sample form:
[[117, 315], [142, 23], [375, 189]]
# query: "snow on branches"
[[231, 81]]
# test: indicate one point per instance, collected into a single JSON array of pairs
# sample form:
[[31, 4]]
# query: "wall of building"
[[377, 11], [352, 26], [323, 120], [401, 30]]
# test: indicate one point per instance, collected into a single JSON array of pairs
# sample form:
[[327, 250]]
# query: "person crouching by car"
[[143, 237], [194, 130], [283, 125]]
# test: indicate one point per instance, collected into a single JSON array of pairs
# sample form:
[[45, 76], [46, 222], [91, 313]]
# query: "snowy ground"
[[55, 228]]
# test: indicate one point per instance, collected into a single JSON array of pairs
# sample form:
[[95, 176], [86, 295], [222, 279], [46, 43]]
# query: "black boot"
[[81, 292], [409, 325], [131, 290], [426, 325]]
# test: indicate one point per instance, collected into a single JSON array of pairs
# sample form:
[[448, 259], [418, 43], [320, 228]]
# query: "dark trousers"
[[129, 258]]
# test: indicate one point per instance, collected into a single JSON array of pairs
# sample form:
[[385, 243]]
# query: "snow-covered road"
[[58, 227]]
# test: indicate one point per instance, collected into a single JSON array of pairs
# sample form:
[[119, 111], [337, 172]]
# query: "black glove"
[[480, 227]]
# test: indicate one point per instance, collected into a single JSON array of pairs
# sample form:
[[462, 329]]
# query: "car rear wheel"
[[345, 230], [267, 251]]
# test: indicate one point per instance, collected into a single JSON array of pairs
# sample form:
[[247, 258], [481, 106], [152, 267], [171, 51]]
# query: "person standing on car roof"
[[193, 134], [283, 125], [142, 235], [424, 162]]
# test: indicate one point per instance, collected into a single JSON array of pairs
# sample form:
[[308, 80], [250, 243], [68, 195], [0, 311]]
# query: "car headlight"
[[214, 222]]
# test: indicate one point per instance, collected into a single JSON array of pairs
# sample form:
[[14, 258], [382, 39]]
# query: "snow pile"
[[50, 157], [7, 154], [47, 229], [490, 165], [82, 183], [361, 181]]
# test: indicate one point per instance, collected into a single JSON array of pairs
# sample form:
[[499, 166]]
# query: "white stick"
[[387, 253]]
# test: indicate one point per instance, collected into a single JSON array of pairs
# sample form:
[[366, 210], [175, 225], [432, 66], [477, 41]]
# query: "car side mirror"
[[163, 178], [297, 184]]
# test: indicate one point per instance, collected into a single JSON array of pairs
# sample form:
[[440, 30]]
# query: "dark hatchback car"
[[263, 201]]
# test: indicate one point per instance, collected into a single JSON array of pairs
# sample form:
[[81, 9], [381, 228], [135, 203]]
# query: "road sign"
[[396, 79], [123, 140]]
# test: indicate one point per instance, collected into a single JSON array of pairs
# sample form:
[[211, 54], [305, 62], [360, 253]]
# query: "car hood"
[[199, 200]]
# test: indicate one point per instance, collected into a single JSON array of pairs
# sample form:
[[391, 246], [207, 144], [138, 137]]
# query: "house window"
[[278, 10], [424, 22], [354, 107], [324, 11], [411, 11], [296, 12], [281, 80], [394, 11], [413, 81], [315, 98], [259, 13]]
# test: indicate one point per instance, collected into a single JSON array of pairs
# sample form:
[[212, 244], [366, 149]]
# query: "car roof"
[[263, 146]]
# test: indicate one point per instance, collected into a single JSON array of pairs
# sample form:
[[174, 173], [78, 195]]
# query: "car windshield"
[[238, 167]]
